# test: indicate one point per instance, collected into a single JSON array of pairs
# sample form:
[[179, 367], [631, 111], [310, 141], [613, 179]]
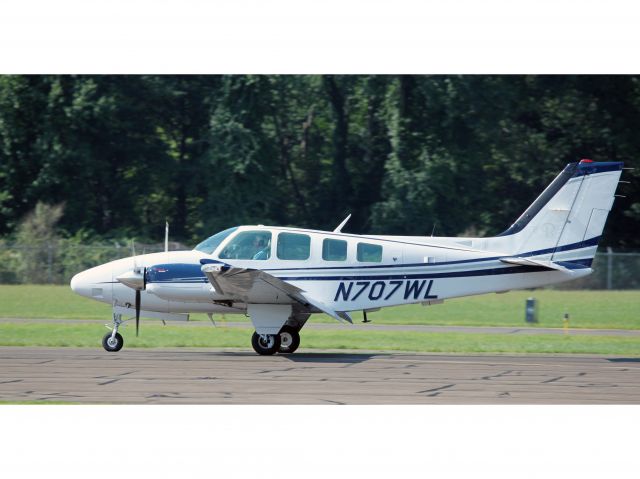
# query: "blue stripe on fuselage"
[[175, 272]]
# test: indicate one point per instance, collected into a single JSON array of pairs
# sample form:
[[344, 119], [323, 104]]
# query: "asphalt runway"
[[421, 328], [206, 376]]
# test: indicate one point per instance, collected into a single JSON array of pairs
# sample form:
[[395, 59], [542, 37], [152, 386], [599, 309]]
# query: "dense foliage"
[[402, 153]]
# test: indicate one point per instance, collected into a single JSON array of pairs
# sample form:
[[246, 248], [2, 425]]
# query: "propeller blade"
[[137, 311]]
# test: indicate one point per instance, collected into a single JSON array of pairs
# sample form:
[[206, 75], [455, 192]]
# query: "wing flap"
[[339, 315]]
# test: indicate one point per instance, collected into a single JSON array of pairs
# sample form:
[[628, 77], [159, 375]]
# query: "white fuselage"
[[410, 270]]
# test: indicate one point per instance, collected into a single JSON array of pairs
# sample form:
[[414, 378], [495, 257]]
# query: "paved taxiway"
[[203, 376], [420, 328]]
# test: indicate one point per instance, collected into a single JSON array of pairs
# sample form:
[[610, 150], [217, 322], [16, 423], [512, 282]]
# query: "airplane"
[[279, 276]]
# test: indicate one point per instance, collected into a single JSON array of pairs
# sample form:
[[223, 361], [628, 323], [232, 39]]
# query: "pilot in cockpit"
[[262, 247]]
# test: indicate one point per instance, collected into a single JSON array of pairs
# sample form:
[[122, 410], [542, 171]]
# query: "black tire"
[[265, 348], [289, 340], [112, 346]]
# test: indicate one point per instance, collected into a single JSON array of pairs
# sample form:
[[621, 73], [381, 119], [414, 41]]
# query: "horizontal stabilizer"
[[534, 262]]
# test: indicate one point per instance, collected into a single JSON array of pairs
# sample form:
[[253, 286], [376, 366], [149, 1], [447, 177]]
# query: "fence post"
[[609, 268], [49, 262]]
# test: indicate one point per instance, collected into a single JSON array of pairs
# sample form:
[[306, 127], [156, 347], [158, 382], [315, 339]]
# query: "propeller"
[[136, 279], [137, 311]]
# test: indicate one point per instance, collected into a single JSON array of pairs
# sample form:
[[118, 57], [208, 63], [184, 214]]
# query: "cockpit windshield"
[[209, 245]]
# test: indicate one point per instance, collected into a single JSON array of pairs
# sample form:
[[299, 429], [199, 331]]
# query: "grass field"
[[155, 335], [587, 309]]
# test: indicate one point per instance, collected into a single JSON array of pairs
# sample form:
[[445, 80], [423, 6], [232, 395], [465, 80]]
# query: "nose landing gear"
[[113, 341]]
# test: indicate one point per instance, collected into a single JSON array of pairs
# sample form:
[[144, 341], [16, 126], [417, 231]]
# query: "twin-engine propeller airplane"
[[280, 276]]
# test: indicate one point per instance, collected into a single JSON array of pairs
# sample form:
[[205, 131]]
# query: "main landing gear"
[[289, 340], [286, 342]]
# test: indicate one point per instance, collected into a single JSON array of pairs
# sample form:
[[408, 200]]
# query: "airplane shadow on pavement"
[[345, 358]]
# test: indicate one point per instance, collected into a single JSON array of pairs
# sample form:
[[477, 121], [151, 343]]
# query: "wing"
[[259, 287], [248, 285]]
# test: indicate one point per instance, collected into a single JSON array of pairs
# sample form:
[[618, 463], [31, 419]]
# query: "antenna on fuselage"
[[433, 230], [166, 236], [341, 225]]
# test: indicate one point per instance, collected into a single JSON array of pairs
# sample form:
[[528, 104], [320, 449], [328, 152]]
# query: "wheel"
[[289, 340], [265, 344], [112, 344]]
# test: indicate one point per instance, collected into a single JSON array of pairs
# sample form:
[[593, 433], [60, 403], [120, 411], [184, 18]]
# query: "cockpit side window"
[[248, 245], [209, 245]]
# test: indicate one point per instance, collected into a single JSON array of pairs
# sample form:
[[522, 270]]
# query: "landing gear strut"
[[265, 344], [113, 341], [289, 340]]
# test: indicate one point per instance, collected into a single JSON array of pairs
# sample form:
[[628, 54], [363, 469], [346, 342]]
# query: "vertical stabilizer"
[[566, 221]]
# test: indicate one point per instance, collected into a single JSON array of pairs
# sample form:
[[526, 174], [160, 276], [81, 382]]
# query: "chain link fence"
[[612, 270], [56, 262]]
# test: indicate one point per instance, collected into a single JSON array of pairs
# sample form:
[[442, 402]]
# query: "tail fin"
[[566, 221]]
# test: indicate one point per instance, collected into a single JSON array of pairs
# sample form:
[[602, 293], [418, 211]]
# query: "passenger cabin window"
[[248, 245], [369, 253], [293, 246], [334, 250]]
